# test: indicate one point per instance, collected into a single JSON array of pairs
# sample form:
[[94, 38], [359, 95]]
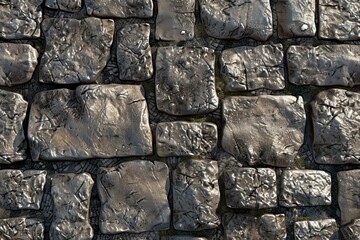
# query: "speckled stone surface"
[[21, 228], [64, 5], [317, 229]]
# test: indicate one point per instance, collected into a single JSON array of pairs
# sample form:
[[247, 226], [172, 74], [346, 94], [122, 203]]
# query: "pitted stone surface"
[[237, 19], [352, 231], [71, 196], [305, 188], [21, 228], [250, 68], [325, 229], [272, 227], [336, 119], [76, 50], [196, 195], [64, 5], [185, 138], [253, 188], [324, 65], [185, 80], [134, 197], [175, 20], [134, 52], [274, 128], [92, 121]]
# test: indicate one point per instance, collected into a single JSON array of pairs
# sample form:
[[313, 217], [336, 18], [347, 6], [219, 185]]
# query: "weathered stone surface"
[[324, 65], [250, 68], [64, 5], [76, 50], [185, 138], [175, 20], [92, 121], [183, 238], [17, 63], [134, 52], [20, 19], [274, 128], [348, 195], [325, 229], [21, 228], [253, 188], [339, 19], [71, 196], [237, 19], [185, 80], [336, 119], [352, 231], [296, 18], [196, 195], [12, 139], [142, 203], [120, 8], [305, 188], [272, 227]]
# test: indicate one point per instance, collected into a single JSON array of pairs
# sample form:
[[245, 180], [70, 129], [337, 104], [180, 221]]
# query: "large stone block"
[[64, 5], [21, 228], [319, 229]]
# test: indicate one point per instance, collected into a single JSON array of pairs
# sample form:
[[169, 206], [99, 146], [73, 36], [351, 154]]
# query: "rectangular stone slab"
[[64, 5], [317, 229], [21, 228], [91, 121]]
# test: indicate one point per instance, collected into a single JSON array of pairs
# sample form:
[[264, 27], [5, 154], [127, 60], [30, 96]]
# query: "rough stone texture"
[[183, 238], [296, 18], [134, 52], [324, 65], [142, 203], [92, 121], [64, 5], [237, 19], [71, 196], [272, 227], [250, 68], [253, 188], [325, 229], [175, 20], [274, 128], [21, 228], [305, 188], [336, 119], [185, 138], [196, 195], [76, 51], [339, 19], [352, 231], [17, 63], [12, 139], [185, 80]]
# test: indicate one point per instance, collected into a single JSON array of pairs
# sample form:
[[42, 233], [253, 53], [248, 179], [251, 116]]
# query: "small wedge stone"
[[64, 5], [21, 228], [320, 229], [352, 230]]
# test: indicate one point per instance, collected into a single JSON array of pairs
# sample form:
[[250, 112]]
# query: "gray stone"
[[142, 203], [182, 238], [175, 20], [21, 229], [296, 18], [305, 188], [20, 19], [324, 65], [185, 80], [237, 19], [274, 128], [238, 226], [272, 227], [134, 52], [251, 68], [17, 63], [93, 121], [352, 231], [196, 195], [64, 5], [71, 196], [185, 138], [253, 188], [336, 119], [324, 229], [339, 19], [76, 50]]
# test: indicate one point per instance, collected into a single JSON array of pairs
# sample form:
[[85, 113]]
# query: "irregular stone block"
[[305, 188], [93, 121], [142, 203], [272, 227], [76, 50], [20, 19], [175, 20], [250, 68], [339, 19], [352, 231], [324, 65], [336, 118], [182, 238], [185, 80], [21, 228], [71, 196], [237, 19], [253, 188], [319, 229], [196, 195], [185, 138], [274, 128], [134, 52], [64, 5]]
